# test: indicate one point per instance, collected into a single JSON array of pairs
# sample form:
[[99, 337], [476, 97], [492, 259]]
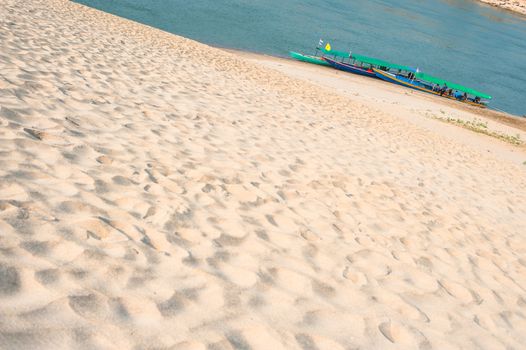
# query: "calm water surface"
[[462, 41]]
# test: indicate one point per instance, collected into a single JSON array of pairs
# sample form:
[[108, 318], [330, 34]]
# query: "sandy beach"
[[158, 193], [518, 6]]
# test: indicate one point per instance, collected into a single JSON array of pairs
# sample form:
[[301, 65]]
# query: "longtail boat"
[[381, 64], [347, 67], [436, 86], [360, 64], [308, 58], [393, 73]]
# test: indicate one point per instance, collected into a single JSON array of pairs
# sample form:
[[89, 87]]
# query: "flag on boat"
[[320, 43], [328, 47]]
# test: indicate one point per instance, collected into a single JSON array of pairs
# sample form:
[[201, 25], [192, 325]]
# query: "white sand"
[[158, 193], [518, 6]]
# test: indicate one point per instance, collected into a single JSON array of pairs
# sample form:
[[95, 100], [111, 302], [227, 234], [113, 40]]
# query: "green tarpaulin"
[[368, 60], [381, 63], [435, 80]]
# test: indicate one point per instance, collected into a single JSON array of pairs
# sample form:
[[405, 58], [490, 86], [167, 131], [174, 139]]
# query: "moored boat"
[[360, 64], [347, 67], [394, 73], [436, 86], [308, 58]]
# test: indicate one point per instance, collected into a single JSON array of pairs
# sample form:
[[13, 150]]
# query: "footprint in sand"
[[395, 333], [356, 277], [376, 264], [91, 306], [10, 282], [457, 290], [308, 235]]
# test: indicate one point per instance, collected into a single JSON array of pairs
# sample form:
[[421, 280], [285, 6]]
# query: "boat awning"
[[336, 53], [381, 63], [435, 80], [369, 60]]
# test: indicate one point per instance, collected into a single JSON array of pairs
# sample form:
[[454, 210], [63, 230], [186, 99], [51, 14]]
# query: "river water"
[[458, 40]]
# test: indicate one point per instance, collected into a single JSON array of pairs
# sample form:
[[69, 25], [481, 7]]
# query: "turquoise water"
[[462, 41]]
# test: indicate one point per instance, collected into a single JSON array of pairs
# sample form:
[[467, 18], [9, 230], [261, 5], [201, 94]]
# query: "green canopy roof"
[[381, 63], [368, 60], [451, 85], [423, 76]]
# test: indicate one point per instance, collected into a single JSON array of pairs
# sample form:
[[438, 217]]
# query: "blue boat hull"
[[416, 85], [350, 68]]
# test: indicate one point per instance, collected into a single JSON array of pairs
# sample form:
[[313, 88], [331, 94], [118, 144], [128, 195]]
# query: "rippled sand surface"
[[156, 193]]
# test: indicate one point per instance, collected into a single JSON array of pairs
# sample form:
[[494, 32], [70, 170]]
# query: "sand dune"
[[157, 193]]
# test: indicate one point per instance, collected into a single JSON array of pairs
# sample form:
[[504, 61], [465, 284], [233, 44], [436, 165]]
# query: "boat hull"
[[309, 59], [350, 68], [412, 84]]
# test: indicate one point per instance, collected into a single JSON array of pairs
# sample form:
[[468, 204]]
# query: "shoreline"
[[156, 192], [418, 108], [515, 6], [498, 115]]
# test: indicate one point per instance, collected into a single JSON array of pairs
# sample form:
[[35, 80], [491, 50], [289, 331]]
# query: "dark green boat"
[[308, 58]]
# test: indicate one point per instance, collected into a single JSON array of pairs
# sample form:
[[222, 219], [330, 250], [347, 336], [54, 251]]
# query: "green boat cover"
[[429, 78], [381, 63], [368, 60], [435, 80]]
